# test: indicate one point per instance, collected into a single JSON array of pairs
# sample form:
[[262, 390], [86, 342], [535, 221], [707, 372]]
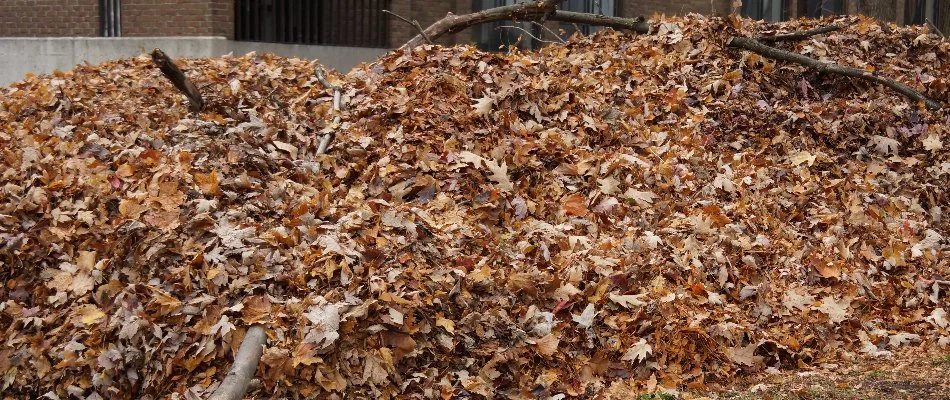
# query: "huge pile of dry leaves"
[[617, 211]]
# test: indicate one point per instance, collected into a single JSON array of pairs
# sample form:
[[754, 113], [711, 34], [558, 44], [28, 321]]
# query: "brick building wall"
[[222, 18], [49, 18], [216, 17], [166, 18], [139, 18]]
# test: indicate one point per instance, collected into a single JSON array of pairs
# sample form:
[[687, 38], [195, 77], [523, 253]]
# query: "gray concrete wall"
[[19, 56]]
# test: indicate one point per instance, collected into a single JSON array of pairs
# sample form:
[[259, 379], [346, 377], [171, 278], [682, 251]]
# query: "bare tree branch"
[[821, 66], [638, 25], [178, 79], [804, 34], [245, 364], [414, 23], [534, 11], [933, 27]]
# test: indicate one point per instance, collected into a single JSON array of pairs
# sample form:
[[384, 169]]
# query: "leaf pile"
[[617, 211]]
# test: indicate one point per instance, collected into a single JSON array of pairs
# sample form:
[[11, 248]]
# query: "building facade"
[[361, 23]]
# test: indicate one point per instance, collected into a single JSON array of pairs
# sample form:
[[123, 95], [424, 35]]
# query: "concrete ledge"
[[44, 55]]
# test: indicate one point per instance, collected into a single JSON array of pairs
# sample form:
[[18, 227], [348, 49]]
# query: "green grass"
[[945, 361], [656, 396]]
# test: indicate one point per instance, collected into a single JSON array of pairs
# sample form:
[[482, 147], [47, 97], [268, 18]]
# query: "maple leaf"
[[885, 145], [483, 105], [547, 345], [257, 309], [376, 367], [608, 185], [643, 199], [232, 236], [932, 142], [82, 283], [901, 338], [628, 300], [499, 171], [574, 204], [792, 299], [446, 324], [869, 348], [803, 157], [651, 240], [938, 317], [638, 352], [745, 355], [837, 310], [208, 183], [89, 314], [930, 242], [586, 318]]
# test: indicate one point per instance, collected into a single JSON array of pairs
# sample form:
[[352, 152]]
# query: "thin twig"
[[548, 30], [804, 34], [526, 33], [414, 23], [933, 27]]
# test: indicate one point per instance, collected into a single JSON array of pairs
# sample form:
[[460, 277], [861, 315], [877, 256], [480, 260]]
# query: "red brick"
[[216, 17]]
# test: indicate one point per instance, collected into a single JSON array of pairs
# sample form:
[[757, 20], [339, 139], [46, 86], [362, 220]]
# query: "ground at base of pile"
[[911, 374], [646, 210]]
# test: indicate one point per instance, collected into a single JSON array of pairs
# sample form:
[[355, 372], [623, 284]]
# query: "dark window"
[[359, 23], [918, 12], [769, 10], [110, 13], [529, 35], [882, 10]]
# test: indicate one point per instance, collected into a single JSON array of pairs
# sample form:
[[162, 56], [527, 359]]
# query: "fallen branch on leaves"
[[337, 106], [541, 11], [178, 79], [934, 28], [760, 48], [638, 25], [245, 364], [787, 37]]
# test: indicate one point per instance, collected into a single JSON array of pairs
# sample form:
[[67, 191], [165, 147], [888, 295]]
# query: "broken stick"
[[760, 48], [245, 364], [337, 94], [178, 78]]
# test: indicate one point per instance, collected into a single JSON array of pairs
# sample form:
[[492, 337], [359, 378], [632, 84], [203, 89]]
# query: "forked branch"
[[540, 11], [821, 66], [414, 23]]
